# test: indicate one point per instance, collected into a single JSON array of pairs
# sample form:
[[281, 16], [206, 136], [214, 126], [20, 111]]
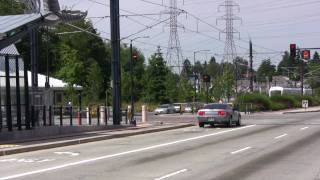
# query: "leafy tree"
[[11, 7], [155, 79], [314, 73], [213, 68], [266, 69], [72, 70], [223, 86]]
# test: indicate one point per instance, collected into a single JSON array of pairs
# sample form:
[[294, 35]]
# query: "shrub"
[[286, 101], [259, 102], [313, 100], [277, 106]]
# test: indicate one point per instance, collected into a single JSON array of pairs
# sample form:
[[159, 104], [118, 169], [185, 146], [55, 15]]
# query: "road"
[[267, 146]]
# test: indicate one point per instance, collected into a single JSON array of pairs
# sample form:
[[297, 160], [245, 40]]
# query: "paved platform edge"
[[31, 148]]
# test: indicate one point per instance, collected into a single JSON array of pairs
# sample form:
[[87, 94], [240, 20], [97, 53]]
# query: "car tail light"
[[221, 113], [201, 113]]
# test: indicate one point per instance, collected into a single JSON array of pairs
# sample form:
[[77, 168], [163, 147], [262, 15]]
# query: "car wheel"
[[239, 121], [201, 125], [212, 125]]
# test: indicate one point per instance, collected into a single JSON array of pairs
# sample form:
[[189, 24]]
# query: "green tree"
[[11, 7], [266, 69], [155, 80], [72, 70]]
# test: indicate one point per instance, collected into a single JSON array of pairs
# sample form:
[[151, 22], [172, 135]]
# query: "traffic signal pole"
[[301, 76], [132, 83], [251, 67], [115, 58]]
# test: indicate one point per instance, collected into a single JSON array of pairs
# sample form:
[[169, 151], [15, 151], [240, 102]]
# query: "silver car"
[[218, 114], [164, 109]]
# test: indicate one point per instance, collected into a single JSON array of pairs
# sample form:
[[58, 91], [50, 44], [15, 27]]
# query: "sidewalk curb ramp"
[[30, 148]]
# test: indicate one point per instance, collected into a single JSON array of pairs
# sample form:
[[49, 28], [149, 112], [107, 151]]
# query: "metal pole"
[[207, 92], [195, 79], [116, 73], [251, 68], [18, 94], [26, 96], [301, 76], [132, 83], [8, 94]]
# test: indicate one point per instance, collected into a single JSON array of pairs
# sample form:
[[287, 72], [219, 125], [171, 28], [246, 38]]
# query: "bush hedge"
[[262, 102]]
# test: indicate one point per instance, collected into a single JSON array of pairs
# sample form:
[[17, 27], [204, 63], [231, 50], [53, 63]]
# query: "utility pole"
[[301, 73], [131, 74], [251, 68], [132, 83], [115, 58]]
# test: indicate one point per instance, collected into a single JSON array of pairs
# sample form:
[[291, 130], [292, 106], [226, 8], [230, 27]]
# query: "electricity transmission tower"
[[229, 17], [174, 54]]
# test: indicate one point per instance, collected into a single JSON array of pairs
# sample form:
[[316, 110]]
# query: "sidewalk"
[[302, 110], [287, 111], [7, 148]]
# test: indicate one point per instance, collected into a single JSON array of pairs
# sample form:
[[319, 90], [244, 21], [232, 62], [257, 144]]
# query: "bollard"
[[102, 115], [79, 117], [50, 116], [71, 118], [106, 112], [98, 115], [144, 114], [44, 116], [61, 116], [88, 116], [129, 114], [33, 122]]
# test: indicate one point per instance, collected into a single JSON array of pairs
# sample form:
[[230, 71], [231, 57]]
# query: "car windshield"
[[164, 106], [216, 106]]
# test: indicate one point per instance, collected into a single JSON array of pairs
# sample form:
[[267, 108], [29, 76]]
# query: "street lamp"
[[194, 73], [131, 74]]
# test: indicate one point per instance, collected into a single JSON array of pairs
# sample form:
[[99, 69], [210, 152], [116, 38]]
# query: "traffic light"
[[135, 56], [293, 49], [206, 78], [306, 54]]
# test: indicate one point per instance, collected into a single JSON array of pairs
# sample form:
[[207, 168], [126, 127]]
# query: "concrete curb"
[[30, 148], [300, 112]]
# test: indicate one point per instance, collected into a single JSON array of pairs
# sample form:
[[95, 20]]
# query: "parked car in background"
[[188, 108], [165, 109], [179, 107], [221, 113]]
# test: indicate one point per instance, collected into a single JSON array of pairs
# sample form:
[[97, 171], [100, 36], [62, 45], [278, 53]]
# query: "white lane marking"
[[281, 136], [26, 160], [304, 128], [172, 174], [241, 150], [67, 153], [121, 154]]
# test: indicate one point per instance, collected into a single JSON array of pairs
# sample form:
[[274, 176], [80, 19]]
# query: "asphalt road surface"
[[268, 146]]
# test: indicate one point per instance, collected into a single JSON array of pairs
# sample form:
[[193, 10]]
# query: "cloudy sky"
[[271, 24]]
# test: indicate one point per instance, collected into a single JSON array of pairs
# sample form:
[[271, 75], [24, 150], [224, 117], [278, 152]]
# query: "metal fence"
[[14, 101]]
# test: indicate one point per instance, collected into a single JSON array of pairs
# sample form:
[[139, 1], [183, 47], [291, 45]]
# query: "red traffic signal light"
[[206, 78], [293, 49], [135, 56], [306, 54]]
